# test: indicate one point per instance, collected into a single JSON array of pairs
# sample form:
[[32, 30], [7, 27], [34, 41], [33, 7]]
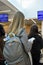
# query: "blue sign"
[[40, 15], [3, 17]]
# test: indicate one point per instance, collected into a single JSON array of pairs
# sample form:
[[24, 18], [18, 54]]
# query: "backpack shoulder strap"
[[23, 47]]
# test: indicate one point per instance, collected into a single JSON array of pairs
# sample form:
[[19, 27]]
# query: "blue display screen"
[[3, 17], [40, 15]]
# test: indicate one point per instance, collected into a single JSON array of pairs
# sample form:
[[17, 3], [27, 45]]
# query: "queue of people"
[[18, 45]]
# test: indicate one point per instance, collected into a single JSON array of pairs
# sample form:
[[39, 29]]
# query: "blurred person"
[[2, 36], [37, 44], [16, 47]]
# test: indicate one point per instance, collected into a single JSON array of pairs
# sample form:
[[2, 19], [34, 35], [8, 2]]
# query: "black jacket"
[[36, 47]]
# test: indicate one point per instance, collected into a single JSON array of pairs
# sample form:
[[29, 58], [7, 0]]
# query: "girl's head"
[[34, 29], [18, 22]]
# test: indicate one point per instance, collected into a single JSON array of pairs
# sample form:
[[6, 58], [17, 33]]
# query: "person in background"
[[37, 44], [13, 51], [2, 36]]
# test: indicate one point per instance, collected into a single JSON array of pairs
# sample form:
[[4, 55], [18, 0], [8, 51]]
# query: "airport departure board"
[[3, 17], [40, 15]]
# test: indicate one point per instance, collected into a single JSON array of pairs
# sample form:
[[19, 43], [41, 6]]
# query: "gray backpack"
[[13, 48]]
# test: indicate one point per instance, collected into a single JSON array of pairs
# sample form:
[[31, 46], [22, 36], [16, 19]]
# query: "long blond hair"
[[18, 22]]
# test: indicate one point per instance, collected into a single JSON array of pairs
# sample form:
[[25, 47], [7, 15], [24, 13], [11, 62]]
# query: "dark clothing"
[[36, 47], [2, 35], [2, 62], [1, 51]]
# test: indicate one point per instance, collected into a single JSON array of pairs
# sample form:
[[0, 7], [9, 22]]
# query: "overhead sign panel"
[[3, 17], [40, 15]]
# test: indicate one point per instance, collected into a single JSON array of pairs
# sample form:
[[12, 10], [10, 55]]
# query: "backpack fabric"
[[14, 53]]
